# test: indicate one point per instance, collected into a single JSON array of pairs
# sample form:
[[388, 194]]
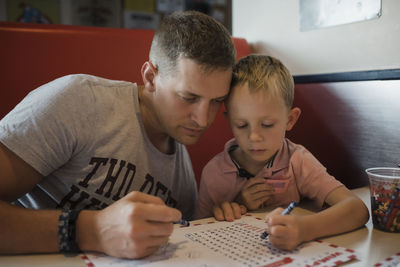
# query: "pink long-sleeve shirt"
[[295, 174]]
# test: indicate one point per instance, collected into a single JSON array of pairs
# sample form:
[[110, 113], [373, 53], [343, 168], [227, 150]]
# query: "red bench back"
[[34, 54]]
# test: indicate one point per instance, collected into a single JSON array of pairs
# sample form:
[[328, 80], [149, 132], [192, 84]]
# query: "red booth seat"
[[34, 54]]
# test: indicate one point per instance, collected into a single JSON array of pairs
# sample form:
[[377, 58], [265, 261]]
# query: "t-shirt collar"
[[280, 160]]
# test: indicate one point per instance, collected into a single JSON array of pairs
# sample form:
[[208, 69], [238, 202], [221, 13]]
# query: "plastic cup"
[[384, 184]]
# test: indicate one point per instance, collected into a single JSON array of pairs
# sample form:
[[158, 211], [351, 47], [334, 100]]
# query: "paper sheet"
[[392, 261], [235, 243]]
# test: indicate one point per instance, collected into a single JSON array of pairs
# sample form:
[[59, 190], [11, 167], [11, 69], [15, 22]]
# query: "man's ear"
[[293, 116], [149, 73]]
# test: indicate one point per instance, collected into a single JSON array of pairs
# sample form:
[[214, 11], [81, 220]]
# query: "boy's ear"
[[293, 116], [149, 73]]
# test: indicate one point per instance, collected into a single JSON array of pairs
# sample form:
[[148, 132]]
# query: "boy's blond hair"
[[265, 73]]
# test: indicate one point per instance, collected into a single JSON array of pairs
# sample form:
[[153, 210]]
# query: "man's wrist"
[[86, 231], [67, 231]]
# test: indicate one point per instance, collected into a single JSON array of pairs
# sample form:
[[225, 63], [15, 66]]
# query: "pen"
[[284, 212], [183, 222]]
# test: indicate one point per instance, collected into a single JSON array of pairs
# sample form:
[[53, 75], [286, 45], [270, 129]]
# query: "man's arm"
[[23, 230], [133, 227]]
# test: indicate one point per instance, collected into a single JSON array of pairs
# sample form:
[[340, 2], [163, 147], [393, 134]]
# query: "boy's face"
[[259, 122], [188, 100]]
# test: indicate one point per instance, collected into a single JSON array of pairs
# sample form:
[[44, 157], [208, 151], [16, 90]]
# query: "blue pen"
[[285, 212], [183, 222]]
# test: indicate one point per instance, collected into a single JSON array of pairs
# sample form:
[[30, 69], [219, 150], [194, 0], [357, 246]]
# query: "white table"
[[372, 245]]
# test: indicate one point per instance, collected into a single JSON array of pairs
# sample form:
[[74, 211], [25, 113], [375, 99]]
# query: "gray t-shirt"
[[85, 135]]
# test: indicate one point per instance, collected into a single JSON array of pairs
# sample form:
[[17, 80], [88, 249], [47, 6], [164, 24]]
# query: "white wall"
[[272, 27]]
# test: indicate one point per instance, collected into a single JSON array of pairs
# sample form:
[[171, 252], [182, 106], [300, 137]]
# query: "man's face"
[[187, 100]]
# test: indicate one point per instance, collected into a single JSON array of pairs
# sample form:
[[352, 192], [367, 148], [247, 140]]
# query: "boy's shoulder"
[[215, 161], [221, 162], [294, 149], [301, 158]]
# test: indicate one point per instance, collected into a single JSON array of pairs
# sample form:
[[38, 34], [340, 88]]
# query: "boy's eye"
[[267, 125], [241, 126]]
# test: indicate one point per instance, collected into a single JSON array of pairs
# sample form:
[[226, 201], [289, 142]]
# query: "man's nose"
[[200, 114]]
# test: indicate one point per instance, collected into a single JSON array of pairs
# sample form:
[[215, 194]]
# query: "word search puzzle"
[[241, 243], [235, 243]]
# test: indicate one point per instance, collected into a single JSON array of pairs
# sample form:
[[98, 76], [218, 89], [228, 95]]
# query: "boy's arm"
[[213, 189], [228, 211], [206, 206], [347, 212], [133, 227], [254, 193]]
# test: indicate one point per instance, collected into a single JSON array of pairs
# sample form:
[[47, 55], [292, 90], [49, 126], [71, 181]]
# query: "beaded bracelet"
[[67, 231]]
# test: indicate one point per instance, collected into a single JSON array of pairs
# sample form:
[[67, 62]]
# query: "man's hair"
[[192, 35], [265, 73]]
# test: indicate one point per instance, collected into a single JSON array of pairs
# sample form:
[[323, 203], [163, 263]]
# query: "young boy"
[[260, 167]]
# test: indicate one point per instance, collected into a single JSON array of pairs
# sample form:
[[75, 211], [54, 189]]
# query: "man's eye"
[[189, 99], [220, 101]]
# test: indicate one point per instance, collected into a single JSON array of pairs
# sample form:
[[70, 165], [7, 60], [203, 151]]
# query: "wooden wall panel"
[[350, 126]]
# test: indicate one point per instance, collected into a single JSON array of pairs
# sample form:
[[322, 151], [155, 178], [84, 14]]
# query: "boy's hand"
[[254, 193], [283, 230], [228, 211]]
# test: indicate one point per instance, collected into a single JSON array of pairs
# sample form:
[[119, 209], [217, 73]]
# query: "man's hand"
[[254, 193], [133, 227], [228, 211]]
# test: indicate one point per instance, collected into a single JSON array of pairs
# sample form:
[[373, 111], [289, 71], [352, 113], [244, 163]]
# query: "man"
[[110, 154]]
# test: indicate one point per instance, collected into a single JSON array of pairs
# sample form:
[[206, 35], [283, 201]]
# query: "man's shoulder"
[[78, 87], [82, 80]]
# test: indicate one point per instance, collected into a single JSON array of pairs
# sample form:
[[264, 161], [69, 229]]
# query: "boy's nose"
[[254, 136]]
